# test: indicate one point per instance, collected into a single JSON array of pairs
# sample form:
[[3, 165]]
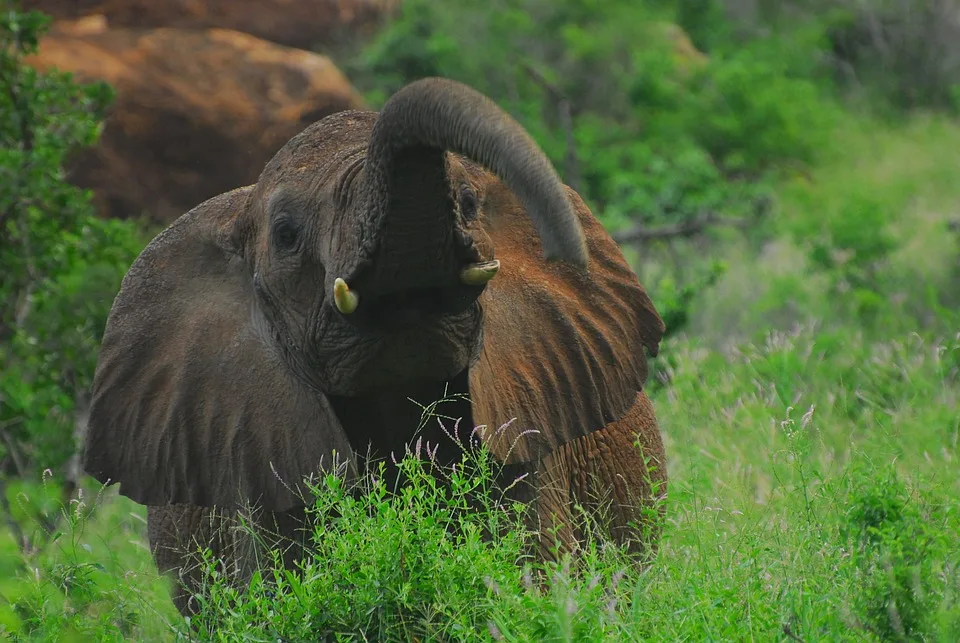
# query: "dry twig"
[[682, 230]]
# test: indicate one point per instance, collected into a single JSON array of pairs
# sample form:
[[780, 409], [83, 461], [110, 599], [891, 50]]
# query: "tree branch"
[[683, 230], [639, 234]]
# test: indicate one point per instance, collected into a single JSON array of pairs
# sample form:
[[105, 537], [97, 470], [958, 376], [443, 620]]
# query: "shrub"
[[904, 52], [909, 50], [61, 264], [903, 556], [418, 564]]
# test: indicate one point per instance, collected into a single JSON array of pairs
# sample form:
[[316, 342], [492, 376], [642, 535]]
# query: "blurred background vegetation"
[[783, 175]]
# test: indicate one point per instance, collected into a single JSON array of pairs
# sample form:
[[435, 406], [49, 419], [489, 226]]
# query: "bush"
[[418, 564], [854, 247], [903, 54], [61, 264], [908, 50], [901, 552]]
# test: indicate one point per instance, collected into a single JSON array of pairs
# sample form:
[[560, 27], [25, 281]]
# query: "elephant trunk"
[[407, 219], [412, 245]]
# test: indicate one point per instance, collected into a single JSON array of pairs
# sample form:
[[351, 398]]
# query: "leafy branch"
[[682, 230], [640, 233]]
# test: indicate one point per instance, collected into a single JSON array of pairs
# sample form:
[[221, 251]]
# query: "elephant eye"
[[286, 233], [468, 203]]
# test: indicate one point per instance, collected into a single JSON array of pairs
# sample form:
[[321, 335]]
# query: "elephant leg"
[[617, 474], [177, 532]]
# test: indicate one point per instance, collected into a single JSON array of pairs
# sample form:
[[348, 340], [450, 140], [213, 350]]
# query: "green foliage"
[[854, 246], [61, 263], [904, 51], [900, 549], [873, 226], [824, 522], [412, 565], [891, 56], [705, 22], [93, 581], [673, 302]]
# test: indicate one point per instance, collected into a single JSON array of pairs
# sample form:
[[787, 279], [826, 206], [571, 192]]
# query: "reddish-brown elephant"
[[426, 250]]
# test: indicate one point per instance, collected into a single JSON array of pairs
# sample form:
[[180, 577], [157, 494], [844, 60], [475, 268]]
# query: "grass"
[[93, 579], [896, 182], [812, 443]]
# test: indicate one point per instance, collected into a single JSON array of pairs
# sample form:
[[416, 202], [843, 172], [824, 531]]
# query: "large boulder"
[[295, 23], [197, 112]]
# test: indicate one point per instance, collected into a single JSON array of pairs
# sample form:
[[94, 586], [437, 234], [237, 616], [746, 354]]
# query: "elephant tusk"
[[477, 274], [345, 299]]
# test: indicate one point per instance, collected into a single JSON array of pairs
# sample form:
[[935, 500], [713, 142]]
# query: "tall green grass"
[[813, 495]]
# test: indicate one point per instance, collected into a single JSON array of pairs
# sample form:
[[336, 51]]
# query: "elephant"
[[281, 329]]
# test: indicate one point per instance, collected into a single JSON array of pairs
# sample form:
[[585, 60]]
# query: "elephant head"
[[430, 242]]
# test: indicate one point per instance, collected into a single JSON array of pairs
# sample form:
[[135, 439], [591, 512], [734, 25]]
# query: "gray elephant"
[[427, 249]]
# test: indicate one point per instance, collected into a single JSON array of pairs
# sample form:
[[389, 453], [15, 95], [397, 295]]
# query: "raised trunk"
[[416, 248], [407, 213]]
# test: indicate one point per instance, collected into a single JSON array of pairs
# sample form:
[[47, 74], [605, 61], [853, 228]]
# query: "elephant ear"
[[564, 350], [190, 402]]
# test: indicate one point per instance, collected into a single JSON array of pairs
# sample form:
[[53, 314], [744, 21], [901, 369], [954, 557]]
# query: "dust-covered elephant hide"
[[281, 329]]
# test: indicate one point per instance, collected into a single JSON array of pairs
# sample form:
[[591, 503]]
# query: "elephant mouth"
[[388, 300], [412, 306]]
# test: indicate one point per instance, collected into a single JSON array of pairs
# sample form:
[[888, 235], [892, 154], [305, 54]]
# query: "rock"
[[197, 113], [295, 23], [83, 26]]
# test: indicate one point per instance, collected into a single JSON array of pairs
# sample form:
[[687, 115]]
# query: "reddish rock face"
[[197, 112], [295, 23]]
